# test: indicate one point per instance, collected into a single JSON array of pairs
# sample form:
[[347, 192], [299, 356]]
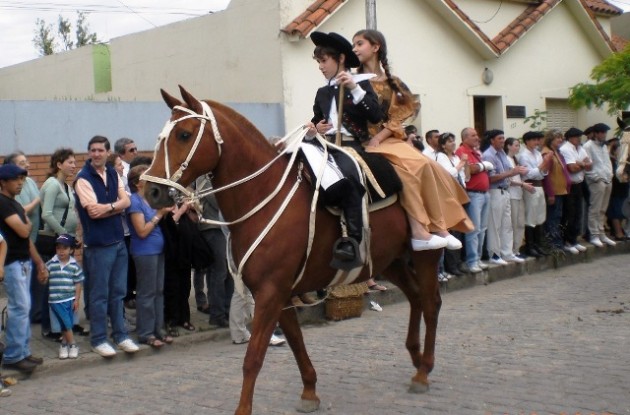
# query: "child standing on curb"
[[65, 278]]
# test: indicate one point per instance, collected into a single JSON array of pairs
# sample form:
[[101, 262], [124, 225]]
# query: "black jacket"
[[355, 118]]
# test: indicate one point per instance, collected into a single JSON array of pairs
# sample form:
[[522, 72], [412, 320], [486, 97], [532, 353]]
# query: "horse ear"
[[171, 101], [622, 125], [193, 103]]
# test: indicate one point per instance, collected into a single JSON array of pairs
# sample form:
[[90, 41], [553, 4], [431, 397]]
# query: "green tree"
[[612, 85], [47, 41], [44, 39]]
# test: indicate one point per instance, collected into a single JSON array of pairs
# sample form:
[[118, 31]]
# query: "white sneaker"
[[128, 346], [276, 340], [580, 248], [104, 349], [442, 277], [571, 249], [435, 242], [475, 269], [452, 242], [595, 241], [607, 240], [73, 351], [482, 265], [497, 260], [63, 351], [513, 258]]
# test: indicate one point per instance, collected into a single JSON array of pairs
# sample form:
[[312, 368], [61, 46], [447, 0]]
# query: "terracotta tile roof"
[[619, 42], [519, 26], [319, 10], [315, 14], [602, 6]]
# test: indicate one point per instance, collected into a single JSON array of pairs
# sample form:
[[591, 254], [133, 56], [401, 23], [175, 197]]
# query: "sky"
[[107, 18]]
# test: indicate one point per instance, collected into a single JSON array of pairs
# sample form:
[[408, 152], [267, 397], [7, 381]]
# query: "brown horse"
[[208, 137]]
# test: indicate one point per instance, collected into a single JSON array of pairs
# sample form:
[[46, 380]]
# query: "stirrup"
[[346, 264]]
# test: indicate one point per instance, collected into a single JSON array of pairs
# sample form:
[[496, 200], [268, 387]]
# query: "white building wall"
[[492, 16]]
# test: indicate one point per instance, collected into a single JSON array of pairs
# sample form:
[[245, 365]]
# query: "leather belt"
[[476, 191], [536, 183]]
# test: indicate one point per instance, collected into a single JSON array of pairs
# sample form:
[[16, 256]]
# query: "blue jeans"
[[220, 283], [477, 210], [17, 281], [149, 295], [553, 222], [107, 270]]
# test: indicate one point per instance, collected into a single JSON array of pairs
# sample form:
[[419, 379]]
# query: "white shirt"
[[572, 155], [449, 164], [602, 167], [516, 192], [430, 152], [531, 160]]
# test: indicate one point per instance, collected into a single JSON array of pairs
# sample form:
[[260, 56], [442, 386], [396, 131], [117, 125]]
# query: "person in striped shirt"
[[65, 278]]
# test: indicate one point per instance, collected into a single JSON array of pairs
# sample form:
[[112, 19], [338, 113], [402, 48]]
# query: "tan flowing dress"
[[430, 194]]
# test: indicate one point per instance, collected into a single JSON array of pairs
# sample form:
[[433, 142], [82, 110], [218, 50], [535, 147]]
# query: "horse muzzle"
[[159, 195]]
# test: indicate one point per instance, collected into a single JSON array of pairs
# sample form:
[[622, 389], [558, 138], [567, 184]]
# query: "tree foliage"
[[612, 85], [49, 42]]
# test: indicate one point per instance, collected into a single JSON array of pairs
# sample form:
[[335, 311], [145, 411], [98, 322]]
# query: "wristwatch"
[[112, 206]]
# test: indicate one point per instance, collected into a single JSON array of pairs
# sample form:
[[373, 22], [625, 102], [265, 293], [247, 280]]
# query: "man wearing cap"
[[535, 204], [599, 182], [102, 199], [16, 228], [500, 232], [577, 163]]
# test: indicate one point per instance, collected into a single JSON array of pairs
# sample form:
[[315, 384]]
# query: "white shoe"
[[497, 260], [442, 277], [595, 241], [571, 249], [276, 340], [514, 258], [452, 242], [128, 346], [475, 269], [580, 248], [482, 265], [104, 349], [73, 351], [607, 240], [63, 351], [435, 242]]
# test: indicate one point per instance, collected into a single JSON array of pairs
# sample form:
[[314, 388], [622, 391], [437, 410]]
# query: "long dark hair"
[[376, 38]]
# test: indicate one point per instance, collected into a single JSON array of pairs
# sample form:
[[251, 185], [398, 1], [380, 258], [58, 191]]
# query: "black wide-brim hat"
[[339, 43]]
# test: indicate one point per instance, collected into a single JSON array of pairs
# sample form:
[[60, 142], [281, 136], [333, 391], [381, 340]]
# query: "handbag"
[[45, 244]]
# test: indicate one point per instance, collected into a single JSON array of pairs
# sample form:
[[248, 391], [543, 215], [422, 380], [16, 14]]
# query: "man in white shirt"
[[577, 163], [127, 150], [599, 182], [431, 137]]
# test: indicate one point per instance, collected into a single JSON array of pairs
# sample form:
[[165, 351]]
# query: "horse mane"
[[238, 121]]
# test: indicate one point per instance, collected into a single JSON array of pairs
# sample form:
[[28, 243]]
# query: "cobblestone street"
[[555, 342]]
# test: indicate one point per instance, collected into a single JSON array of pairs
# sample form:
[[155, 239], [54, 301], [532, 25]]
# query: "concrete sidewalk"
[[310, 315]]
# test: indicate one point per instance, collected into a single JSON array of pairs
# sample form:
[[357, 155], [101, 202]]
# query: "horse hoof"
[[307, 406], [418, 387]]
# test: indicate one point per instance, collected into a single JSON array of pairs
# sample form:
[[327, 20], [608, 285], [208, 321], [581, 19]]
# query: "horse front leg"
[[267, 310], [426, 265], [309, 401]]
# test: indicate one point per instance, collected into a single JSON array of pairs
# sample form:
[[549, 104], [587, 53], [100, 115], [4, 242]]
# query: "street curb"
[[315, 315]]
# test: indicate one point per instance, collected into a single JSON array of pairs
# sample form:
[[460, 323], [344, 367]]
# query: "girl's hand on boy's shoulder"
[[345, 78]]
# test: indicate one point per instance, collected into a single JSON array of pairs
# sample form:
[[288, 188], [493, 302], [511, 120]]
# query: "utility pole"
[[370, 14]]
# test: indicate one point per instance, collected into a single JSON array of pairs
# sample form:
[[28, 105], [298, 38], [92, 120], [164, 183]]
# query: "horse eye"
[[184, 135]]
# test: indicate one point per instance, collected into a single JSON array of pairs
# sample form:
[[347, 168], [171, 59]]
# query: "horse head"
[[188, 147]]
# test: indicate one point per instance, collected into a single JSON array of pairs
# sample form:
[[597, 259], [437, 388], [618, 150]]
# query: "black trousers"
[[572, 215]]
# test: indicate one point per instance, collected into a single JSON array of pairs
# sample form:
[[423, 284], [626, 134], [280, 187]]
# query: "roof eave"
[[586, 17]]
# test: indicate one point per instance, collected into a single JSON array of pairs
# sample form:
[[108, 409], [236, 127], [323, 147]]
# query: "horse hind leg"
[[309, 401], [422, 291]]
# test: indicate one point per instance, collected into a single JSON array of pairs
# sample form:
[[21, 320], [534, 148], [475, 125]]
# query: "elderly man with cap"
[[599, 182], [578, 162], [500, 233], [535, 205], [16, 227]]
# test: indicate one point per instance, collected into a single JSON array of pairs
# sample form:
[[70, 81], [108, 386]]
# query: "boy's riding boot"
[[530, 249], [346, 250]]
